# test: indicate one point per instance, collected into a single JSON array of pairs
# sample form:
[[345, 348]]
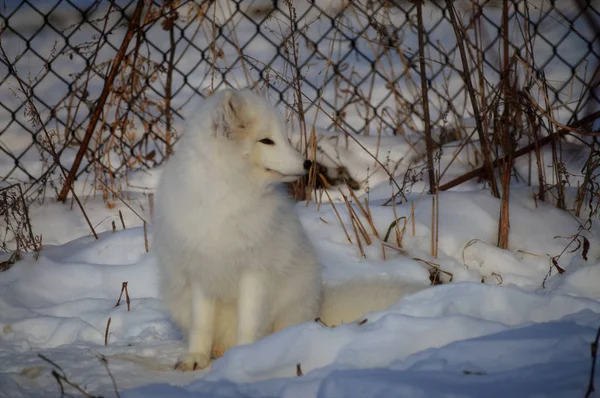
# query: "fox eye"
[[267, 141]]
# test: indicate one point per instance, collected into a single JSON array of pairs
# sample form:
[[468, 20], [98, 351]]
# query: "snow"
[[509, 335], [504, 324]]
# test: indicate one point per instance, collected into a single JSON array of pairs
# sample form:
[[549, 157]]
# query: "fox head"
[[244, 123]]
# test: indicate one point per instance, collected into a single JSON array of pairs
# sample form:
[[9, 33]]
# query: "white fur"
[[236, 264]]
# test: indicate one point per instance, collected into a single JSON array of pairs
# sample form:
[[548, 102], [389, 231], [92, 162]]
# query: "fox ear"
[[232, 117]]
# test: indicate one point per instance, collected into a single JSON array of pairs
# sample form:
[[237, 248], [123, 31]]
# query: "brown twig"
[[124, 289], [118, 196], [70, 126], [104, 362], [412, 216], [396, 228], [106, 331], [48, 137], [435, 266], [590, 388], [556, 156], [365, 211], [433, 216], [399, 250], [437, 220], [151, 205], [171, 18], [425, 99], [336, 213], [61, 377], [146, 245], [487, 155], [354, 227], [122, 220], [354, 216], [506, 141], [526, 149], [116, 64]]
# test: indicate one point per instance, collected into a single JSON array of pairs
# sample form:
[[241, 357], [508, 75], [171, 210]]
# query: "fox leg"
[[200, 335], [254, 319]]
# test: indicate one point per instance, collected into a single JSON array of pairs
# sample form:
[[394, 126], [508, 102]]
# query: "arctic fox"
[[236, 263]]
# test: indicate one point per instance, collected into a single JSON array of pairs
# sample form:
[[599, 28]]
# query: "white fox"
[[236, 263]]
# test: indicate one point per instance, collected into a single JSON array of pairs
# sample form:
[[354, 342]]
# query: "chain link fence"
[[338, 65]]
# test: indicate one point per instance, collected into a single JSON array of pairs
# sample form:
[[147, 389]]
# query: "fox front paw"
[[192, 361]]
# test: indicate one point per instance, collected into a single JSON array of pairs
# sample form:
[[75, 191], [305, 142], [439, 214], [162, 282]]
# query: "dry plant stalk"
[[466, 246], [37, 120], [433, 234], [436, 270], [425, 99], [365, 210], [437, 221], [352, 220], [146, 244], [15, 212], [522, 151], [337, 214], [62, 196], [466, 75], [590, 185], [61, 378], [399, 250], [151, 205], [106, 331], [504, 222], [399, 234], [556, 161], [412, 216], [594, 350], [356, 219], [291, 46], [124, 289], [125, 202], [395, 225], [104, 363], [122, 220], [169, 24], [498, 277]]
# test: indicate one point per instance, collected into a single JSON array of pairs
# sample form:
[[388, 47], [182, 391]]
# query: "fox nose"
[[307, 164]]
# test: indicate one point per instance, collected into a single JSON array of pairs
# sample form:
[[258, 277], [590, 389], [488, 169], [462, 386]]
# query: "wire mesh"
[[344, 66]]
